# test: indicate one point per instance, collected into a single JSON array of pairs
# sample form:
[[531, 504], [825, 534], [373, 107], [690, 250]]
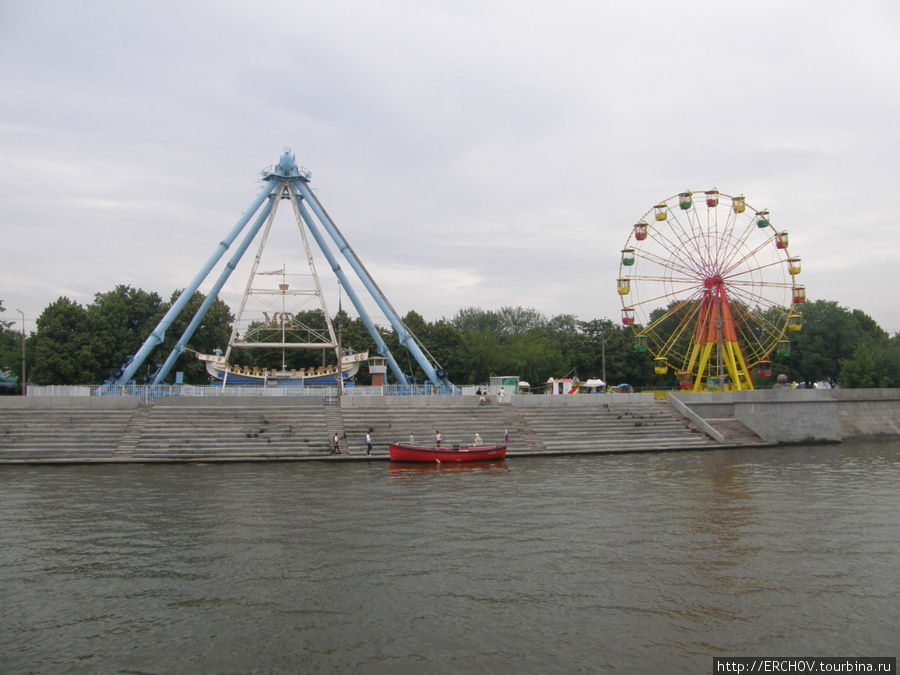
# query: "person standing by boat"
[[477, 439], [369, 442], [437, 439]]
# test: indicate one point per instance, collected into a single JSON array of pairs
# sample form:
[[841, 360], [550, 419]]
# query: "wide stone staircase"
[[458, 426], [234, 432], [612, 428], [259, 432], [61, 434]]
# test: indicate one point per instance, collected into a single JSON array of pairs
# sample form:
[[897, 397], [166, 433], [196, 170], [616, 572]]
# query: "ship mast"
[[269, 316]]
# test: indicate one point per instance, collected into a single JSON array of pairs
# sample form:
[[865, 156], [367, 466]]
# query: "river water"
[[627, 563]]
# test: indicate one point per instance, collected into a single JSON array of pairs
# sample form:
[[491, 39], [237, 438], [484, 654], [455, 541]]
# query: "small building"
[[560, 387], [508, 384], [378, 370]]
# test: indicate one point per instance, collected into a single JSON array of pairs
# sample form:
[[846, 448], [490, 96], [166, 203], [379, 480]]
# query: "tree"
[[120, 321], [535, 356], [861, 371], [872, 367], [65, 346], [477, 356], [10, 351], [580, 344], [520, 320], [830, 335], [439, 341], [442, 340], [417, 326], [213, 333], [76, 345], [4, 325], [623, 364], [473, 319], [355, 336], [868, 327]]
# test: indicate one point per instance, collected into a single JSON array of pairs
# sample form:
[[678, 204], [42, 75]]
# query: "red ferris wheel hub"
[[713, 282]]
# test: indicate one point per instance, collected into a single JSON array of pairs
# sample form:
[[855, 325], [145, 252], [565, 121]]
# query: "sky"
[[483, 153]]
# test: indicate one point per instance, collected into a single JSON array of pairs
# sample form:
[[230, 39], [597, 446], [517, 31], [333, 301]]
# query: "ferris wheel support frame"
[[720, 333]]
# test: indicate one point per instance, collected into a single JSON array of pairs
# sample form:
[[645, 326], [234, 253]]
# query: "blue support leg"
[[159, 332], [178, 350], [402, 331], [354, 298]]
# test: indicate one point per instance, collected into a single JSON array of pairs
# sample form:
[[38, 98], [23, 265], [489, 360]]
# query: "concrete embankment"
[[92, 429], [785, 415]]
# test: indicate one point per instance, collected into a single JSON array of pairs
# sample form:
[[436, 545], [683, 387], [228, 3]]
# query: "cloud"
[[473, 153]]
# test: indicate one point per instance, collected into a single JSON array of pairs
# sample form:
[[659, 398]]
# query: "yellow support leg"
[[731, 366], [734, 361], [704, 359], [694, 352], [743, 367]]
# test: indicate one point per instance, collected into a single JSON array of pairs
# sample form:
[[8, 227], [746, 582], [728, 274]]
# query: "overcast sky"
[[474, 153]]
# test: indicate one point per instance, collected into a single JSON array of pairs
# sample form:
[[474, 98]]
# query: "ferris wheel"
[[710, 289]]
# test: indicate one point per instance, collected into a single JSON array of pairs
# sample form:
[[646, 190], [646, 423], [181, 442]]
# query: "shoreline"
[[79, 430]]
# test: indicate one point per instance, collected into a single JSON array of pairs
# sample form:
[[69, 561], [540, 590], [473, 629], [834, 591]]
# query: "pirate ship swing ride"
[[285, 181]]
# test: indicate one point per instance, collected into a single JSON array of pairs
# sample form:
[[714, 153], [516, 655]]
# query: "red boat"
[[405, 452]]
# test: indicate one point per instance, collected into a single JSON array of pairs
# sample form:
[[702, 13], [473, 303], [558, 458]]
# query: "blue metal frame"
[[179, 348], [406, 337], [286, 174], [380, 345]]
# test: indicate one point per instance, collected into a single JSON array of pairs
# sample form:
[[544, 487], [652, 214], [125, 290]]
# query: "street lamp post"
[[23, 351], [603, 356]]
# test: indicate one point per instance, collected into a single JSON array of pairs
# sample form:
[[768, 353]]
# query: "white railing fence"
[[148, 392]]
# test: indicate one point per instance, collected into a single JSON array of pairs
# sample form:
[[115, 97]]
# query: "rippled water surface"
[[632, 563]]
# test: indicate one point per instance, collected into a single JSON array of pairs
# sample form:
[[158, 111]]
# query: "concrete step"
[[735, 432], [168, 432]]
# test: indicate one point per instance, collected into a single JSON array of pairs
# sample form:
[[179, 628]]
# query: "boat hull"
[[405, 452], [220, 371]]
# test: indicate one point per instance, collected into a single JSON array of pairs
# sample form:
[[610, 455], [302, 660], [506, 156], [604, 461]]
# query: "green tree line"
[[75, 344]]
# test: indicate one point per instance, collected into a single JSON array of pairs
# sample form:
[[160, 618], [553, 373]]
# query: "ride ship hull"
[[224, 373]]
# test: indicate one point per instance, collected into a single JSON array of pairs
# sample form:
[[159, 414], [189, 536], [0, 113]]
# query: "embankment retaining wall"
[[780, 415], [868, 412], [785, 415]]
